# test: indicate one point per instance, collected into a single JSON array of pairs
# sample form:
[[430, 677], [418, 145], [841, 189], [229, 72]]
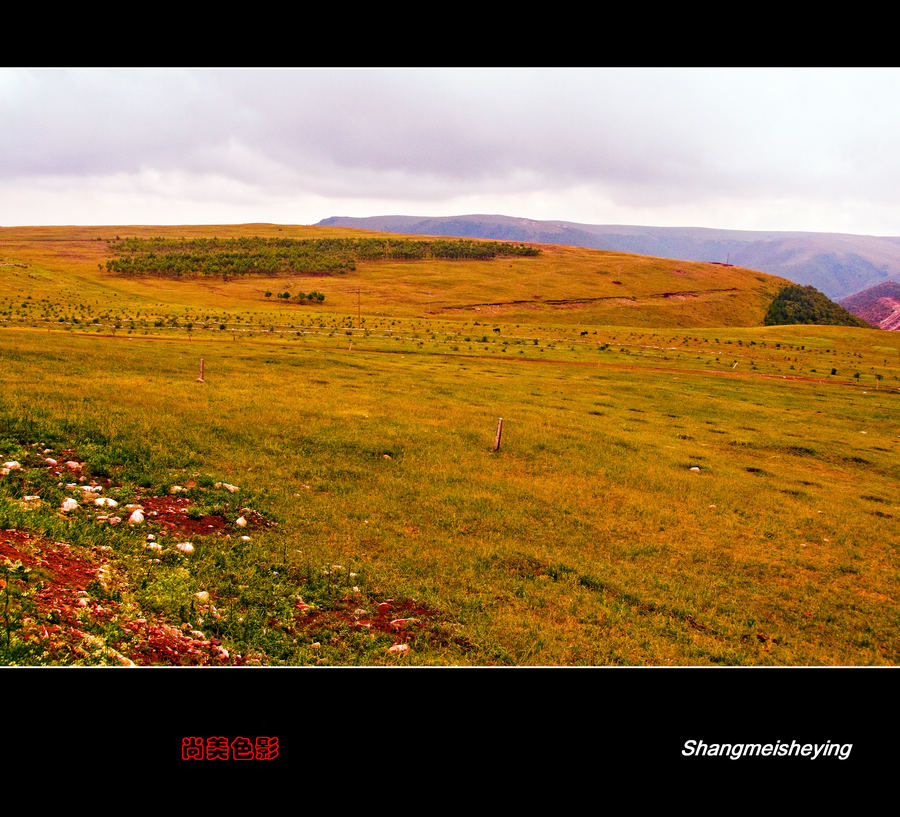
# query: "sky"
[[747, 149]]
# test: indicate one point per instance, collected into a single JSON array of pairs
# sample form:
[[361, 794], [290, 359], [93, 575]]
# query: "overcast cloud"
[[779, 149]]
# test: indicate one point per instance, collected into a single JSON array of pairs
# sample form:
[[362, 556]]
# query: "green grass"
[[586, 540]]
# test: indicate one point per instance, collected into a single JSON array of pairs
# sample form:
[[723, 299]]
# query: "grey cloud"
[[644, 137]]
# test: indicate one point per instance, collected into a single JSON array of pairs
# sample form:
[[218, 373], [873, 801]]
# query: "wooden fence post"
[[499, 431], [200, 379]]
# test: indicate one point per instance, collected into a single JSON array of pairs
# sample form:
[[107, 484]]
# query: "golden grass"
[[586, 540]]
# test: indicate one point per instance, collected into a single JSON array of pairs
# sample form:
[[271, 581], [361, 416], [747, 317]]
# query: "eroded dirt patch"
[[174, 514], [400, 618]]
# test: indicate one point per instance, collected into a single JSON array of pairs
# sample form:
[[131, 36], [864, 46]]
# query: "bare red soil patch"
[[172, 514], [401, 618]]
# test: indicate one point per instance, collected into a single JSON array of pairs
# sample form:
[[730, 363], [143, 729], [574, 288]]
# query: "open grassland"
[[662, 496]]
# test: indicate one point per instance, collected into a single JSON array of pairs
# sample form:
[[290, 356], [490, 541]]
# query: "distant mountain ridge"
[[878, 305], [837, 264]]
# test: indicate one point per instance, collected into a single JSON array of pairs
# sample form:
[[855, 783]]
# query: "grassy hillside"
[[65, 271], [662, 495], [837, 264]]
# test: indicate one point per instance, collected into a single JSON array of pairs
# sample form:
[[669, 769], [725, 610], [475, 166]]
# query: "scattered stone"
[[136, 517], [12, 465], [399, 649], [68, 504], [240, 522], [695, 468], [403, 623], [185, 547], [105, 500]]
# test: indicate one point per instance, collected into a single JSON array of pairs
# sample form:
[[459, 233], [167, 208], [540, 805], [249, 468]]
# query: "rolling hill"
[[563, 285], [834, 263], [878, 305]]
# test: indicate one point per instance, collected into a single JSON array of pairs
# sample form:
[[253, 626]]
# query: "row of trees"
[[301, 297], [229, 257]]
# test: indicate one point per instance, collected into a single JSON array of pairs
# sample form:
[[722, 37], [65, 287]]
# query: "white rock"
[[153, 546], [73, 466], [185, 547], [50, 461], [12, 465], [203, 596], [114, 520], [240, 522], [245, 538], [695, 468], [105, 500], [136, 517], [69, 504], [399, 649]]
